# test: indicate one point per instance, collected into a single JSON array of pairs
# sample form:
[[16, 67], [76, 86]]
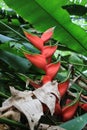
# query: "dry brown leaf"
[[55, 128], [4, 127], [46, 94], [30, 102], [12, 114], [48, 127], [24, 102], [32, 110]]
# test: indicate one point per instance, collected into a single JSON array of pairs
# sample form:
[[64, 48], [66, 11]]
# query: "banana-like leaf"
[[48, 13]]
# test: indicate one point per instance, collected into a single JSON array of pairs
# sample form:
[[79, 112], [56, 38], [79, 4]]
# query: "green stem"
[[3, 95]]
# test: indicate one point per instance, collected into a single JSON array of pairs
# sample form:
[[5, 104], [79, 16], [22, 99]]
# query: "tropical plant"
[[34, 67]]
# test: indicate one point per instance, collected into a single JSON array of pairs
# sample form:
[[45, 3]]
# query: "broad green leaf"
[[18, 63], [12, 47], [76, 124], [2, 4], [48, 13], [75, 59]]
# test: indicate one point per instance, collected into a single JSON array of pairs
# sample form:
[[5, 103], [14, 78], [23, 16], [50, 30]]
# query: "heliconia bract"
[[47, 34], [37, 59], [35, 40]]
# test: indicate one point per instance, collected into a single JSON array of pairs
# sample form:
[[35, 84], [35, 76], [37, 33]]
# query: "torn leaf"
[[46, 94], [24, 103], [30, 103]]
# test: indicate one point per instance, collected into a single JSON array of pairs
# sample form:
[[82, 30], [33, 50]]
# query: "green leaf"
[[4, 39], [48, 13], [75, 59], [76, 124], [18, 63]]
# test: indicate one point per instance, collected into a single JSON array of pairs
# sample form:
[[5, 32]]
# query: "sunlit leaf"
[[44, 14]]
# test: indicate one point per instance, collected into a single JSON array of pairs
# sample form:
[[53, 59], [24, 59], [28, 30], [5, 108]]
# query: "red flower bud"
[[52, 69], [47, 34], [37, 59], [62, 87], [69, 111], [35, 40], [48, 51]]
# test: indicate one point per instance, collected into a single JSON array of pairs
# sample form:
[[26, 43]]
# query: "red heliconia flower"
[[47, 34], [49, 60], [48, 51], [37, 59], [52, 69], [62, 87], [83, 106], [57, 109], [45, 79], [35, 40], [69, 111]]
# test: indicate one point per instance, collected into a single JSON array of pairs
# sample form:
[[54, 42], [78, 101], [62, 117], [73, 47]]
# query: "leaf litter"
[[30, 103]]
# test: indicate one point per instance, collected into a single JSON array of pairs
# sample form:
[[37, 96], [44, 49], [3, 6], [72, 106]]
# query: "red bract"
[[37, 59], [35, 40], [47, 34], [83, 106], [46, 79], [62, 87], [48, 51], [49, 60], [69, 111], [57, 109], [68, 101], [52, 69]]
